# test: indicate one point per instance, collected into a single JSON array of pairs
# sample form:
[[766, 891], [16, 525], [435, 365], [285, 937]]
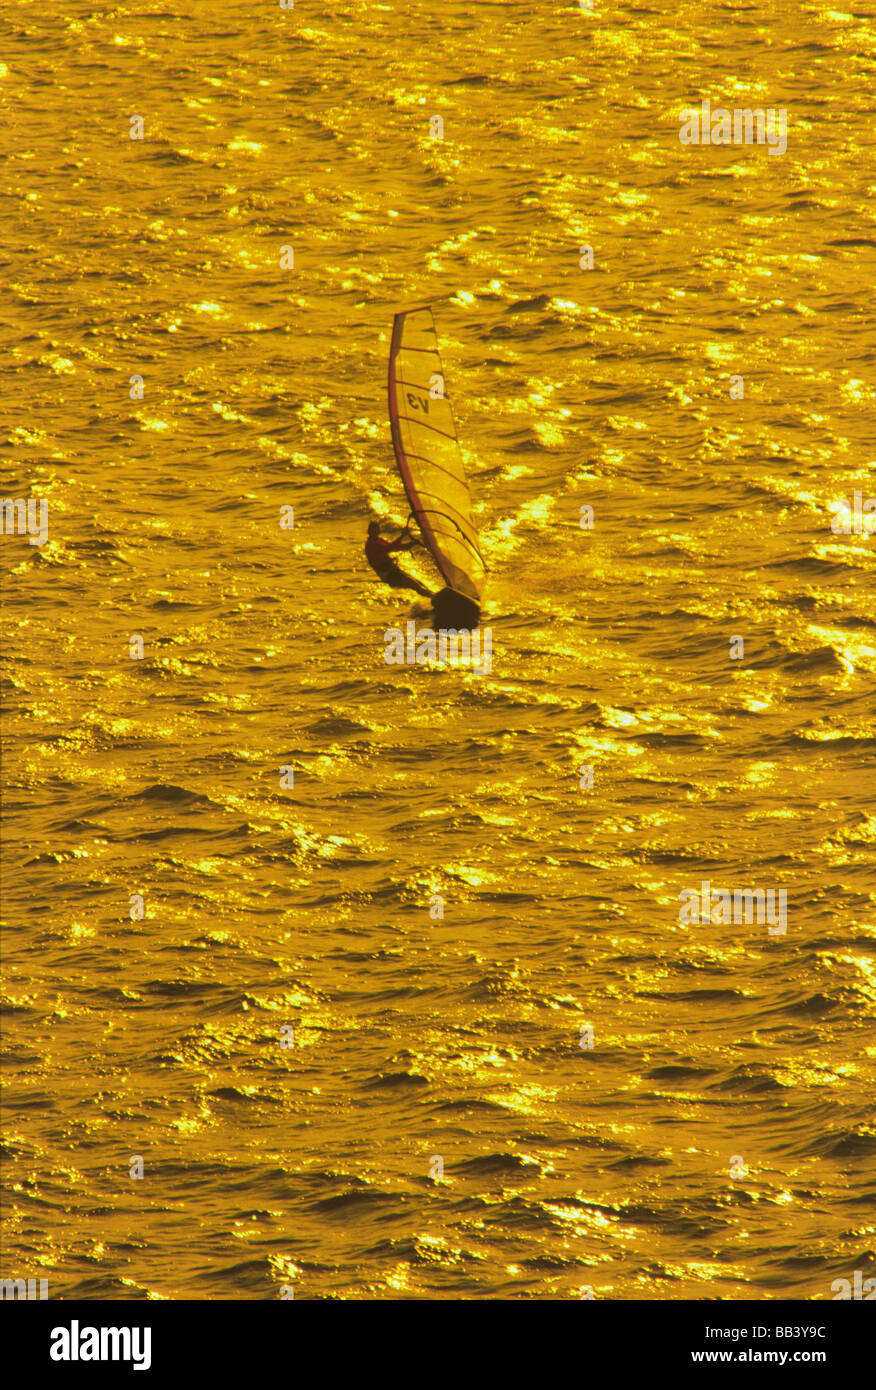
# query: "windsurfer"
[[377, 553]]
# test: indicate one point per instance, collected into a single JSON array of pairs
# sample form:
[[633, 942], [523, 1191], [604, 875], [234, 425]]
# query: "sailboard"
[[430, 463]]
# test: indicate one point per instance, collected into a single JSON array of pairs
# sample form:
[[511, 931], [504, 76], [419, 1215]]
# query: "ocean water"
[[557, 1088]]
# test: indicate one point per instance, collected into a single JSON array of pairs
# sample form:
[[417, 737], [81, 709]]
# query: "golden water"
[[717, 1140]]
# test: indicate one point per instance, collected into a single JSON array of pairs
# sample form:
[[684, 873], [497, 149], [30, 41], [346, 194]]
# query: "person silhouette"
[[378, 553]]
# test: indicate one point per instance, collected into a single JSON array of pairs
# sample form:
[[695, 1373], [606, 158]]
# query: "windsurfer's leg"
[[406, 581], [397, 579]]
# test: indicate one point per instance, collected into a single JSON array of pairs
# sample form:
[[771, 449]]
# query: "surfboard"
[[430, 464]]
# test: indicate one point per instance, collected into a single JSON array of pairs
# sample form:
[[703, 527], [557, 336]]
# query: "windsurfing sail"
[[428, 454]]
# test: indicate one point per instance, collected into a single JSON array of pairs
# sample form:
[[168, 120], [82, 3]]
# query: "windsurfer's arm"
[[400, 543]]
